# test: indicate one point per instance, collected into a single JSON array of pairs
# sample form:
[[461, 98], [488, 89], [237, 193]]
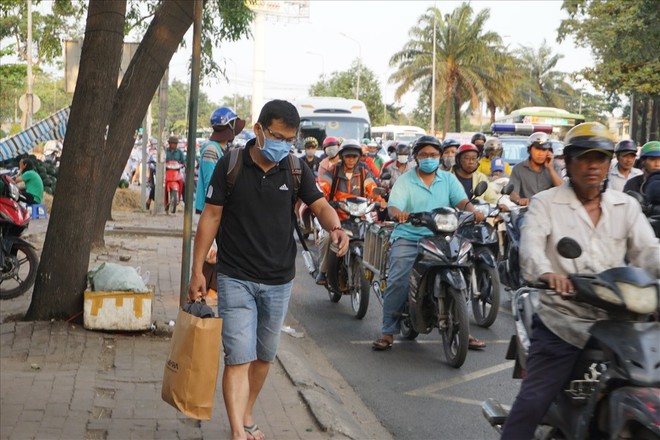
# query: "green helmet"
[[650, 149]]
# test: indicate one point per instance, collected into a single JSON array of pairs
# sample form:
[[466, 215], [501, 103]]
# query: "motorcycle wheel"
[[23, 261], [174, 200], [456, 330], [333, 277], [359, 289], [407, 330], [486, 300]]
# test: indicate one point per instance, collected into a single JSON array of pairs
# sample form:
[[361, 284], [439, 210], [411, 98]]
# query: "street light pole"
[[357, 91], [433, 80]]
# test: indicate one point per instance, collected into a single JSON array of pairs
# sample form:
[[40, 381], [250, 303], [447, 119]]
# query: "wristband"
[[336, 228]]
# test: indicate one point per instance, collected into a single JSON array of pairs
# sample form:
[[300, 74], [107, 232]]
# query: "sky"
[[299, 51]]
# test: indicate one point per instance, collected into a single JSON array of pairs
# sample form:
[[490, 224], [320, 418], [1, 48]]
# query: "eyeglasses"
[[428, 156], [279, 137]]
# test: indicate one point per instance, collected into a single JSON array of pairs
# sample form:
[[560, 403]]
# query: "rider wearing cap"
[[535, 174], [492, 149], [623, 169], [467, 157], [311, 145], [226, 125], [421, 190], [649, 159], [611, 230], [331, 149], [348, 178]]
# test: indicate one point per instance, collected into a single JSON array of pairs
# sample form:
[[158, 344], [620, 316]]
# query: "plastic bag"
[[110, 277]]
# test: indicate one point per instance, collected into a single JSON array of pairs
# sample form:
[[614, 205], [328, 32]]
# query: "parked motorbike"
[[173, 185], [346, 274], [18, 258], [484, 286], [614, 390]]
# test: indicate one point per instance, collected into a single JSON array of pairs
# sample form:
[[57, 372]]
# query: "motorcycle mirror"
[[481, 188], [635, 195], [508, 189], [569, 248], [385, 175]]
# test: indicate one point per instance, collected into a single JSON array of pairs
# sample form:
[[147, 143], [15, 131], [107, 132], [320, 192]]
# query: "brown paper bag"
[[191, 370]]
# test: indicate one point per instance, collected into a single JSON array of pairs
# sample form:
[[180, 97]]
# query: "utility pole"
[[28, 94], [433, 78]]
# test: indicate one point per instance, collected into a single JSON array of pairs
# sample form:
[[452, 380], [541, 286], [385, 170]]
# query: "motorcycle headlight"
[[357, 209], [640, 300], [607, 294], [446, 222], [14, 192]]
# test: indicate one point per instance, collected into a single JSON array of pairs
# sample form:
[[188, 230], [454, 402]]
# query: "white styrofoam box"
[[117, 310]]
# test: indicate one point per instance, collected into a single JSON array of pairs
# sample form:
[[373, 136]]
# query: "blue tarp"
[[52, 127]]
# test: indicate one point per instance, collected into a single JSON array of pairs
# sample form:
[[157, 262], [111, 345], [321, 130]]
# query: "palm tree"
[[501, 79], [542, 84], [462, 48]]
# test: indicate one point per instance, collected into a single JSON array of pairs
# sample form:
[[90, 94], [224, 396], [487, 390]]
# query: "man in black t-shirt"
[[253, 227]]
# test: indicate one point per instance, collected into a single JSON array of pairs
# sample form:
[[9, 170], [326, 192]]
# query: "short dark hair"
[[28, 163], [279, 109]]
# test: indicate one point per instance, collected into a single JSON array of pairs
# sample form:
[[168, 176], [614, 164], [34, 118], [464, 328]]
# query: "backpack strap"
[[296, 175], [234, 168], [335, 182]]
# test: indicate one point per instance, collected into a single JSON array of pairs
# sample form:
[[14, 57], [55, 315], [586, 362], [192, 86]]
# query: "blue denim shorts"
[[252, 315]]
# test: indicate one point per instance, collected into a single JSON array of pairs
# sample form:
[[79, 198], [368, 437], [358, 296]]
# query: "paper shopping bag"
[[191, 370]]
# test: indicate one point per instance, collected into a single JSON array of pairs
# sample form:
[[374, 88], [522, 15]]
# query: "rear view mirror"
[[508, 189], [481, 188], [569, 248], [385, 175]]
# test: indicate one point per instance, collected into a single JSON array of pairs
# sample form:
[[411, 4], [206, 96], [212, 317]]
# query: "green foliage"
[[242, 105], [344, 84], [623, 36], [177, 107]]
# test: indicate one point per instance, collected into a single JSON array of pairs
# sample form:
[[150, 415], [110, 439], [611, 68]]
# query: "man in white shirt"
[[623, 170], [611, 230]]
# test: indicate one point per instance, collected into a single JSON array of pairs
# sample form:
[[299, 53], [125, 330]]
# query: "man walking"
[[252, 223]]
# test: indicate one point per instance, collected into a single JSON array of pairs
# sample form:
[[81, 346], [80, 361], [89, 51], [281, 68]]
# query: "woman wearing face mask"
[[331, 149], [396, 168], [311, 145], [449, 147]]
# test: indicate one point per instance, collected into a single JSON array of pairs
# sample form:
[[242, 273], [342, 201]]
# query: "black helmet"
[[402, 149], [350, 145], [425, 141], [625, 146], [586, 137], [477, 137], [450, 143]]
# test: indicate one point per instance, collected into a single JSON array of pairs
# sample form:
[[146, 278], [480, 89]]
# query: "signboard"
[[290, 8], [72, 49]]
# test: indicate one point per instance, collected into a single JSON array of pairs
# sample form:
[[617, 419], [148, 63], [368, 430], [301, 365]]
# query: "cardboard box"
[[118, 310]]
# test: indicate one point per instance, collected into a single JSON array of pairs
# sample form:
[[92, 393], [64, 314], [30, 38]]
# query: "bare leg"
[[236, 392], [257, 376]]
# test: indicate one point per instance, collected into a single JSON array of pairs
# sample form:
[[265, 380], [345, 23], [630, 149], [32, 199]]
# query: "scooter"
[[509, 264], [346, 274], [484, 288], [614, 391], [173, 185], [18, 258]]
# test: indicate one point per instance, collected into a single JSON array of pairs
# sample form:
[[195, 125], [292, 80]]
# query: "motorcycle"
[[18, 258], [509, 265], [614, 390], [346, 274], [484, 286], [650, 208], [173, 185], [438, 292]]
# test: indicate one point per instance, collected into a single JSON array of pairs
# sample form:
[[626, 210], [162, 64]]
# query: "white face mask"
[[310, 153], [332, 151], [402, 158]]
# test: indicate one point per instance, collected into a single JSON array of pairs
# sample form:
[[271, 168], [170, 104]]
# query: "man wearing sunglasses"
[[256, 254]]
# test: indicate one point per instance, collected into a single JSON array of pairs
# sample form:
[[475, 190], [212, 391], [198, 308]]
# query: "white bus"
[[401, 133], [322, 116]]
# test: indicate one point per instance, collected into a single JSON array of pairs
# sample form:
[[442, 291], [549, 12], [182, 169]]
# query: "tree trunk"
[[492, 109], [445, 127], [634, 105], [644, 122], [655, 119], [457, 111], [166, 31], [61, 277]]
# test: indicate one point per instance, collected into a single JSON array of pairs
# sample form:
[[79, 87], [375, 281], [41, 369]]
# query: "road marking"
[[434, 388], [491, 341], [463, 400]]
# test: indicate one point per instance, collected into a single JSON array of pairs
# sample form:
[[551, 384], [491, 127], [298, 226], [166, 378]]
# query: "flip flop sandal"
[[253, 431], [381, 344], [476, 344]]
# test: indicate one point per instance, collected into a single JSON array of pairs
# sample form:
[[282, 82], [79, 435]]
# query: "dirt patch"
[[126, 199]]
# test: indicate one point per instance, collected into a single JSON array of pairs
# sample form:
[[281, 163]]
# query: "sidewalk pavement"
[[60, 381]]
